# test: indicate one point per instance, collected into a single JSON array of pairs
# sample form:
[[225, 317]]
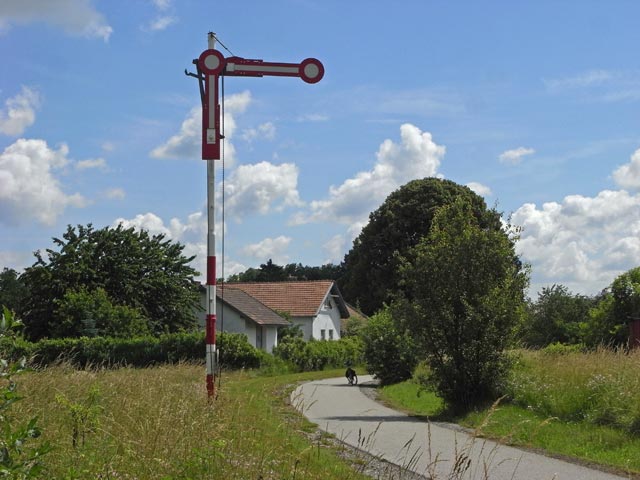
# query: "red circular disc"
[[311, 70], [211, 62]]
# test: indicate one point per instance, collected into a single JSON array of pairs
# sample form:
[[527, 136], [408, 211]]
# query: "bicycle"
[[351, 375]]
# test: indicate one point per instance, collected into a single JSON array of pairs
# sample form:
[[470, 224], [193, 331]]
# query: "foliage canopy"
[[109, 275], [463, 295], [371, 267]]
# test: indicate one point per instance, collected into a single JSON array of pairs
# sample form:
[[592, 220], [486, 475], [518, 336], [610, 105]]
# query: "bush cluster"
[[235, 350], [389, 353], [317, 355]]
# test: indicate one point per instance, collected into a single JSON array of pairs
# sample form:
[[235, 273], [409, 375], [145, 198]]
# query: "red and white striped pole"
[[211, 352], [212, 64]]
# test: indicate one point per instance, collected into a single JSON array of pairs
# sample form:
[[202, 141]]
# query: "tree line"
[[435, 268]]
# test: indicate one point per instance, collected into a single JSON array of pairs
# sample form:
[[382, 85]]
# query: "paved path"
[[425, 448]]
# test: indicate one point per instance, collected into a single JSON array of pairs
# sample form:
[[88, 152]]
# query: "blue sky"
[[534, 105]]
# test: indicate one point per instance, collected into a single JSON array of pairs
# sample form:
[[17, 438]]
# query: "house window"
[[322, 335], [259, 337], [327, 304], [330, 334]]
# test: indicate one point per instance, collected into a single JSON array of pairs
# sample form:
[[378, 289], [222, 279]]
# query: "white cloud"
[[115, 193], [187, 143], [261, 187], [89, 163], [108, 147], [20, 112], [480, 189], [265, 131], [161, 23], [313, 117], [585, 79], [161, 4], [628, 175], [75, 17], [583, 242], [28, 188], [16, 260], [192, 233], [513, 157], [269, 248], [335, 249], [417, 156]]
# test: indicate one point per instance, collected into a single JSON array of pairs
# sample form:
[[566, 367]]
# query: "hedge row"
[[235, 350], [317, 355]]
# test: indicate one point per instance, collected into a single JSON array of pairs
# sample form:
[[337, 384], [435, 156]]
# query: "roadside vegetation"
[[156, 423], [584, 405]]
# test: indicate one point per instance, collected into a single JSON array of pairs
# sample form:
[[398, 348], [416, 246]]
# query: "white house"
[[255, 309]]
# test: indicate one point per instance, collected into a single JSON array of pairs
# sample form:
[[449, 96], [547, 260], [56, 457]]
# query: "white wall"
[[306, 325], [233, 322], [327, 319]]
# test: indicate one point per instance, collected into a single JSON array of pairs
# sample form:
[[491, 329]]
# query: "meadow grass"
[[156, 423], [581, 405]]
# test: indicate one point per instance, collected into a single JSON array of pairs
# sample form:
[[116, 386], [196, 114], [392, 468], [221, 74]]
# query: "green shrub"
[[389, 354], [318, 355], [235, 350], [562, 349]]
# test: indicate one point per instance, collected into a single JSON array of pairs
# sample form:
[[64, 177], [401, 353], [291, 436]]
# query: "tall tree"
[[556, 316], [12, 289], [608, 320], [400, 223], [463, 295], [134, 269]]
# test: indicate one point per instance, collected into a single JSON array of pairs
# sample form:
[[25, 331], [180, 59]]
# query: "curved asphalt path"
[[427, 449]]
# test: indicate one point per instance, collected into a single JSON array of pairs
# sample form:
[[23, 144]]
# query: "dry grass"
[[156, 423]]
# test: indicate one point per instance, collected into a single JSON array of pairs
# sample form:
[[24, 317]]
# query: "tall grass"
[[156, 423], [601, 387]]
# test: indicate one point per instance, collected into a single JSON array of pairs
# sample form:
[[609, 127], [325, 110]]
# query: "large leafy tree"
[[12, 289], [556, 316], [609, 319], [115, 266], [463, 295], [399, 224]]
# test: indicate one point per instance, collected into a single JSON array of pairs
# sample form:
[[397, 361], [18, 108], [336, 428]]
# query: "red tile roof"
[[298, 299]]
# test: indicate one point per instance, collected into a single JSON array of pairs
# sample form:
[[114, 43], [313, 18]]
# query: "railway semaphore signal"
[[211, 65]]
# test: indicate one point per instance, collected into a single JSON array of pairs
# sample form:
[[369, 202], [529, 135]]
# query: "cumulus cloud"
[[583, 242], [269, 248], [480, 189], [335, 249], [266, 131], [20, 112], [261, 187], [90, 163], [192, 233], [28, 187], [628, 175], [416, 156], [75, 17], [187, 143], [513, 157]]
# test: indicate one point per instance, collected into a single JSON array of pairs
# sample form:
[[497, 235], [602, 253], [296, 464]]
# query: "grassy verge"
[[603, 445], [156, 423]]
